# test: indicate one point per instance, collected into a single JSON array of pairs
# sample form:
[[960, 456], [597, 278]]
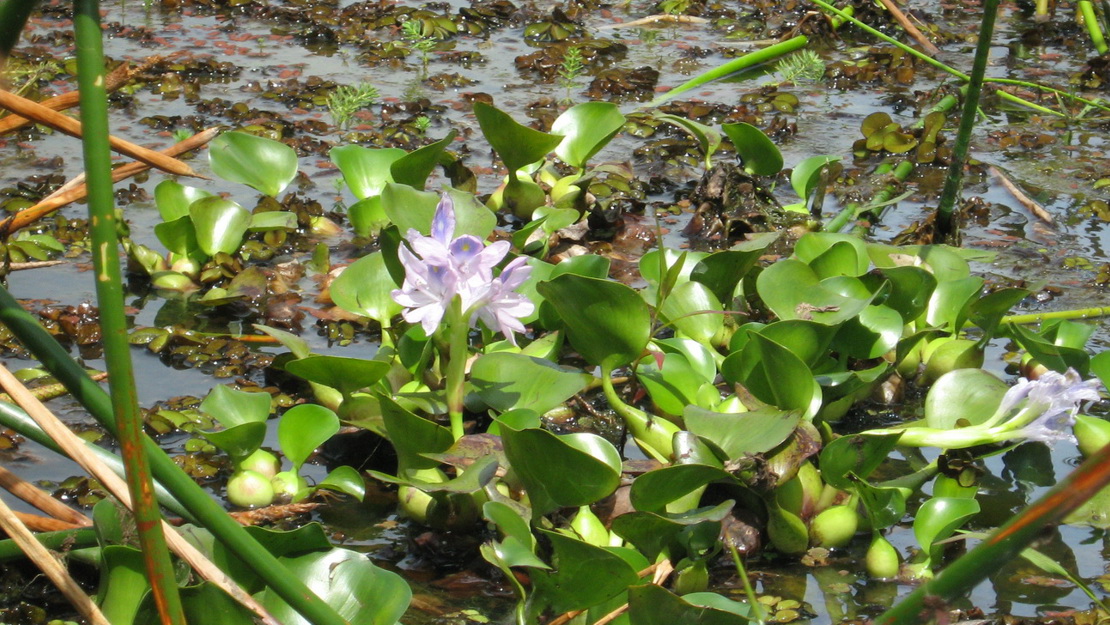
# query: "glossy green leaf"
[[219, 224], [722, 271], [123, 584], [367, 216], [202, 603], [232, 407], [349, 582], [694, 311], [517, 145], [179, 236], [414, 168], [948, 307], [413, 436], [808, 340], [743, 434], [699, 357], [504, 380], [586, 128], [807, 174], [939, 517], [654, 605], [707, 137], [652, 532], [909, 292], [584, 576], [607, 322], [649, 264], [267, 165], [806, 297], [759, 155], [238, 441], [774, 375], [593, 461], [963, 397], [831, 254], [672, 387], [1100, 366], [173, 199], [345, 479], [365, 170], [302, 429], [409, 208], [1055, 357], [885, 506], [273, 220], [873, 333], [855, 454], [652, 491], [365, 288], [346, 374]]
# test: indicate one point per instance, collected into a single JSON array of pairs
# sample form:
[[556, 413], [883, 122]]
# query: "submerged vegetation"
[[639, 371]]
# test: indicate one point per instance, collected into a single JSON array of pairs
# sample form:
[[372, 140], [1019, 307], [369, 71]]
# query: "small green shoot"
[[413, 33], [572, 67], [347, 100], [422, 123], [802, 66]]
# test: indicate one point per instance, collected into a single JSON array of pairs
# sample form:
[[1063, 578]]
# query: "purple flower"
[[1051, 403], [445, 266]]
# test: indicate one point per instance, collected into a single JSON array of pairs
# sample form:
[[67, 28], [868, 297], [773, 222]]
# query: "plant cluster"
[[346, 100]]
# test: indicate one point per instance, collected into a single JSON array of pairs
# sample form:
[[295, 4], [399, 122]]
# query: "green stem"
[[199, 503], [739, 64], [1090, 21], [1081, 313], [757, 608], [1003, 545], [12, 416], [654, 435], [458, 349], [945, 219], [113, 322], [854, 211], [62, 540]]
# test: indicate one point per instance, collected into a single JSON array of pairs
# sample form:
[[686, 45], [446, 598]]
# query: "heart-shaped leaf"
[[366, 288], [219, 224], [593, 461], [302, 429], [365, 170], [745, 433], [774, 375], [586, 128], [414, 168], [756, 151], [173, 199], [504, 380], [231, 407], [607, 322], [267, 165], [517, 145]]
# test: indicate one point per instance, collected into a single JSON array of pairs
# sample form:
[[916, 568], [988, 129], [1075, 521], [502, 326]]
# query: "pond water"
[[271, 64]]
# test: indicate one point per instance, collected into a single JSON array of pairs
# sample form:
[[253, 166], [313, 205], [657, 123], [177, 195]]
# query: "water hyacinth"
[[1032, 410], [441, 266]]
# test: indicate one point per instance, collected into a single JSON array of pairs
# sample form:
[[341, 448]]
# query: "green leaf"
[[273, 220], [365, 170], [413, 436], [173, 199], [792, 290], [517, 145], [722, 271], [302, 429], [757, 152], [654, 605], [855, 454], [694, 311], [607, 322], [367, 216], [672, 387], [345, 479], [584, 575], [593, 461], [1055, 357], [707, 137], [939, 517], [267, 165], [743, 434], [909, 292], [885, 506], [586, 128], [238, 441], [414, 168], [873, 333], [808, 340], [653, 533], [949, 305], [831, 254], [970, 396], [349, 582], [179, 236], [123, 584], [366, 288], [774, 375], [504, 381], [807, 174], [220, 224], [202, 603], [231, 407], [346, 374], [652, 491]]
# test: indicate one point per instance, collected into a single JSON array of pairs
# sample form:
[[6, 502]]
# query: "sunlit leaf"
[[267, 165], [219, 224], [756, 151], [302, 429], [586, 128]]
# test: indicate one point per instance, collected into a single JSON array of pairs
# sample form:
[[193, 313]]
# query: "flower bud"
[[249, 489], [882, 558]]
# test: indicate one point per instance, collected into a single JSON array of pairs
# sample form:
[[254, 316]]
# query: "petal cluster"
[[441, 266]]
